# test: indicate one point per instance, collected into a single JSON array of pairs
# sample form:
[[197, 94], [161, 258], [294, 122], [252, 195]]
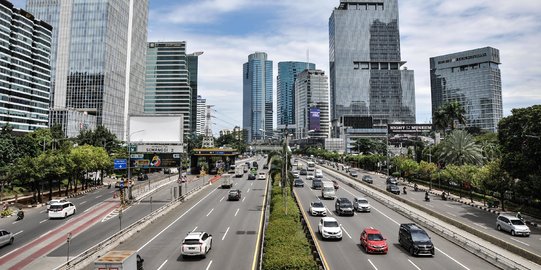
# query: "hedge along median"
[[286, 246]]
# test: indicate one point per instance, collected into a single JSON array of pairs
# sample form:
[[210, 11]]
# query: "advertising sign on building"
[[155, 160], [314, 120], [146, 148], [409, 128]]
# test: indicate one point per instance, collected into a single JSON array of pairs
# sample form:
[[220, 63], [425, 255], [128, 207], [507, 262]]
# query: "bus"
[[311, 165]]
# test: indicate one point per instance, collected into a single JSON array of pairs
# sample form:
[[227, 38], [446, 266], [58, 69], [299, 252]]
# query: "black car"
[[353, 173], [393, 189], [255, 165], [251, 176], [343, 206], [234, 195], [368, 179], [298, 183], [415, 240], [317, 184], [392, 181], [303, 172]]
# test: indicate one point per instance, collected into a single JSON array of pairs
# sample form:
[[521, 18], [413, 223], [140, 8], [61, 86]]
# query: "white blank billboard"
[[167, 129]]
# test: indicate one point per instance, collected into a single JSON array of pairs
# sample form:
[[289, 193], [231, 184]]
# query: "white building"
[[312, 105]]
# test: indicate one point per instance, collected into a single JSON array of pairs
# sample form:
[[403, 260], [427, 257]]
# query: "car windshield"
[[330, 224], [517, 222], [419, 237], [57, 206], [362, 201], [317, 204], [346, 204], [233, 192], [191, 241], [375, 237]]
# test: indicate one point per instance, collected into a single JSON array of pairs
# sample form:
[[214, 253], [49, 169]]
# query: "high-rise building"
[[25, 70], [285, 91], [473, 79], [193, 66], [97, 58], [201, 116], [257, 96], [167, 83], [312, 105], [366, 79]]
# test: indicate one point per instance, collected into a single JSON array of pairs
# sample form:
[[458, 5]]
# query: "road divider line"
[[519, 241], [386, 216], [223, 237], [222, 198], [162, 265], [481, 225], [82, 203], [237, 211], [375, 268], [328, 211], [194, 229], [41, 212], [208, 266], [414, 265], [449, 213], [346, 231], [86, 210], [210, 211], [243, 199], [43, 221], [453, 259], [15, 234], [247, 190], [99, 196]]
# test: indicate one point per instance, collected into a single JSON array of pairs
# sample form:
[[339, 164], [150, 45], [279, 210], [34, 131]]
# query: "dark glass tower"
[[285, 91]]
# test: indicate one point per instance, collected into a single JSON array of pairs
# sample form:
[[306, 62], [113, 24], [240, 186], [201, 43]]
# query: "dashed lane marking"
[[208, 266], [82, 203], [414, 264], [453, 259], [247, 190], [223, 237], [243, 199], [210, 211], [518, 241], [194, 229], [344, 229], [222, 198], [375, 268], [15, 234], [237, 211], [42, 221], [162, 265], [99, 196]]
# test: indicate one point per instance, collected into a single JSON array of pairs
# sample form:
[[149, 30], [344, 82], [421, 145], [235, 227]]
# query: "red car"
[[373, 241]]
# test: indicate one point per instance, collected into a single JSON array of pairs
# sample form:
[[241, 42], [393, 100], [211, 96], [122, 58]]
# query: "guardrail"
[[88, 256], [485, 253]]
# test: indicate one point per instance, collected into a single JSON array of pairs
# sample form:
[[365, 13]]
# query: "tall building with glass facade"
[[257, 97], [312, 117], [167, 83], [366, 78], [201, 120], [285, 91], [473, 79], [97, 59], [193, 66], [25, 71]]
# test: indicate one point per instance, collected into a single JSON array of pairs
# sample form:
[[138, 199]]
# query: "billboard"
[[314, 119], [155, 160], [155, 129], [409, 128]]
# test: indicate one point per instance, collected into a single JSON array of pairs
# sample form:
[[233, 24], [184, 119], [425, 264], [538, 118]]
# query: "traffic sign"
[[120, 164]]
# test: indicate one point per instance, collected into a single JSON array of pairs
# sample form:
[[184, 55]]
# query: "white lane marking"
[[87, 210], [210, 211], [344, 229], [247, 190], [386, 216], [237, 211], [414, 264], [194, 229], [252, 184], [15, 234], [222, 198], [449, 213], [82, 203], [519, 241], [223, 237], [98, 196], [375, 268], [9, 253], [43, 221], [439, 250], [162, 265], [171, 224], [472, 214], [481, 225], [243, 199], [208, 266], [328, 211], [41, 212], [450, 206]]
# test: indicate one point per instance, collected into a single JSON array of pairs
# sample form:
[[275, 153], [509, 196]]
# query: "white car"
[[310, 176], [329, 228], [6, 238], [318, 209], [196, 244], [361, 204], [512, 224], [262, 176], [295, 174], [54, 201], [61, 209]]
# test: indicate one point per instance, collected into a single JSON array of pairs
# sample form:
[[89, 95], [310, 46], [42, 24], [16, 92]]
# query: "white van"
[[319, 173], [61, 209], [327, 191]]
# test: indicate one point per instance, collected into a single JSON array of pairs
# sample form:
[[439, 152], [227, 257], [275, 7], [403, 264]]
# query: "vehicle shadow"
[[181, 258]]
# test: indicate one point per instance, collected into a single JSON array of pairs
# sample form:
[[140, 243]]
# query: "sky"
[[227, 31]]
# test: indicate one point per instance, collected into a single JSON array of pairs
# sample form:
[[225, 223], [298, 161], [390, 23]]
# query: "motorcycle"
[[405, 192], [427, 198], [20, 215], [443, 197], [415, 188]]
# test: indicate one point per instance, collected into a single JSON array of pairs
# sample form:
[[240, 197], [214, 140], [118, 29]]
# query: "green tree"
[[99, 137], [369, 146], [459, 148], [496, 179], [447, 115]]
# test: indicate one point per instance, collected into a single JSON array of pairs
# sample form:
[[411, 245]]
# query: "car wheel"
[[412, 252], [11, 241], [513, 232], [366, 249], [210, 246], [499, 228], [65, 215]]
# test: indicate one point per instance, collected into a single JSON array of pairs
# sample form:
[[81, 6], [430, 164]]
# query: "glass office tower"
[[285, 91], [97, 58], [312, 105], [25, 71], [366, 78], [473, 79], [257, 97]]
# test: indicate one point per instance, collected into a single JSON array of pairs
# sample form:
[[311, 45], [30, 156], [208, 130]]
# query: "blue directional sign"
[[120, 164]]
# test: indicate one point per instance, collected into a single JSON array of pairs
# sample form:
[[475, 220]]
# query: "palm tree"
[[447, 115], [440, 119], [459, 148]]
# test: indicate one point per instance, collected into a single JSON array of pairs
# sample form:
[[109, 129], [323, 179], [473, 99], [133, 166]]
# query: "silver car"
[[361, 205], [512, 224], [6, 238]]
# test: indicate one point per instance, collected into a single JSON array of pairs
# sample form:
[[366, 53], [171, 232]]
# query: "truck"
[[119, 260], [311, 165], [327, 191], [227, 181], [239, 171]]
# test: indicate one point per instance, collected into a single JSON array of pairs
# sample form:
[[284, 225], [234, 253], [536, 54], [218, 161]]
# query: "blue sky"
[[229, 30]]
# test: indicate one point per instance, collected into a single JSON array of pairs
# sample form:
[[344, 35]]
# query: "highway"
[[348, 254]]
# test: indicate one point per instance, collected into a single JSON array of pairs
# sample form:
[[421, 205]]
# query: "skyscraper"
[[285, 91], [201, 116], [193, 66], [97, 58], [312, 105], [257, 96], [25, 69], [364, 55], [167, 83], [473, 79]]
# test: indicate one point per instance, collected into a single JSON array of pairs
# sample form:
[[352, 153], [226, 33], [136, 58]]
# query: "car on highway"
[[329, 228], [261, 176], [303, 172], [298, 183], [368, 179], [415, 240], [61, 210], [353, 173], [6, 238], [512, 224], [393, 189], [310, 176], [233, 195], [361, 204], [317, 184], [318, 173], [373, 242], [54, 201], [295, 173], [318, 209], [251, 176], [196, 244], [391, 181], [343, 206]]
